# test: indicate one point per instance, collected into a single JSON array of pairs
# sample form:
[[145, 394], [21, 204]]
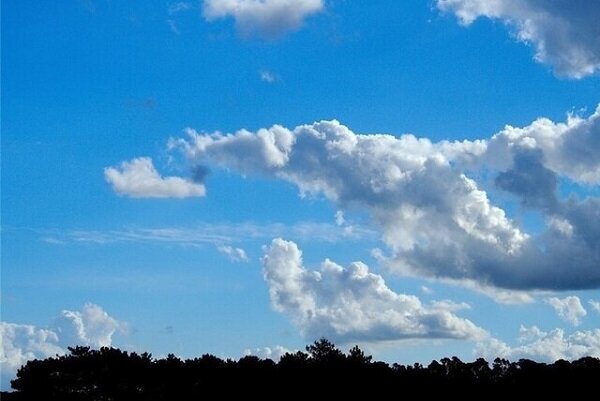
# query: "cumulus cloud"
[[564, 33], [139, 179], [569, 149], [436, 220], [353, 304], [544, 346], [265, 18], [274, 353], [91, 326], [233, 254], [20, 343], [595, 305], [569, 308]]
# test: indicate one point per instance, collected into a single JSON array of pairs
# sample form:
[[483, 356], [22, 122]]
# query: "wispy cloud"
[[268, 76], [176, 8], [233, 254], [216, 234]]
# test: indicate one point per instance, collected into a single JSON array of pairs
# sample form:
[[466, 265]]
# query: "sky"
[[240, 177]]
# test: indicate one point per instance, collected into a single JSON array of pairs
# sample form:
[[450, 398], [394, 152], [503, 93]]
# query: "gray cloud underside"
[[265, 18], [434, 218], [564, 33]]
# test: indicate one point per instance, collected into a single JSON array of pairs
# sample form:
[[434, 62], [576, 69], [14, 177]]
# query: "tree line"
[[113, 374]]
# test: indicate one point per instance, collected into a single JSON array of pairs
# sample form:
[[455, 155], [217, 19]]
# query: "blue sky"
[[130, 217]]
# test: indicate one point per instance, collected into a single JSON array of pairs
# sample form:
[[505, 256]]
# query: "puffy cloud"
[[139, 179], [564, 33], [544, 346], [91, 326], [20, 343], [353, 304], [570, 149], [234, 254], [595, 305], [435, 219], [274, 353], [569, 308], [266, 18]]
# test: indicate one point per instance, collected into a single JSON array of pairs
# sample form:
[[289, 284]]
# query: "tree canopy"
[[113, 374]]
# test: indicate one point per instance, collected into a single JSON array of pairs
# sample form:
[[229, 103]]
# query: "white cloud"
[[139, 179], [339, 218], [173, 26], [91, 326], [352, 304], [436, 220], [213, 234], [268, 76], [426, 290], [569, 308], [544, 346], [176, 8], [266, 18], [570, 149], [595, 305], [20, 343], [564, 33], [274, 353], [234, 254]]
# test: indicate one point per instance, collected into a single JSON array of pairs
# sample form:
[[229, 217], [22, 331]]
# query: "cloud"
[[352, 304], [595, 305], [268, 76], [216, 234], [91, 326], [266, 18], [426, 290], [176, 8], [274, 353], [139, 179], [20, 343], [569, 309], [544, 346], [564, 33], [173, 26], [570, 149], [234, 254], [436, 220]]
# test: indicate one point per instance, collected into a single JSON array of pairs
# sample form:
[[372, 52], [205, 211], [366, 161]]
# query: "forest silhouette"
[[113, 374]]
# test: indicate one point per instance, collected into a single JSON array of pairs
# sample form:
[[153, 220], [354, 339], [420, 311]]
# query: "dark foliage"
[[112, 374]]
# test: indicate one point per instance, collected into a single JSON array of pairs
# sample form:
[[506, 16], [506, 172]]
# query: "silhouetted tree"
[[111, 374], [324, 352]]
